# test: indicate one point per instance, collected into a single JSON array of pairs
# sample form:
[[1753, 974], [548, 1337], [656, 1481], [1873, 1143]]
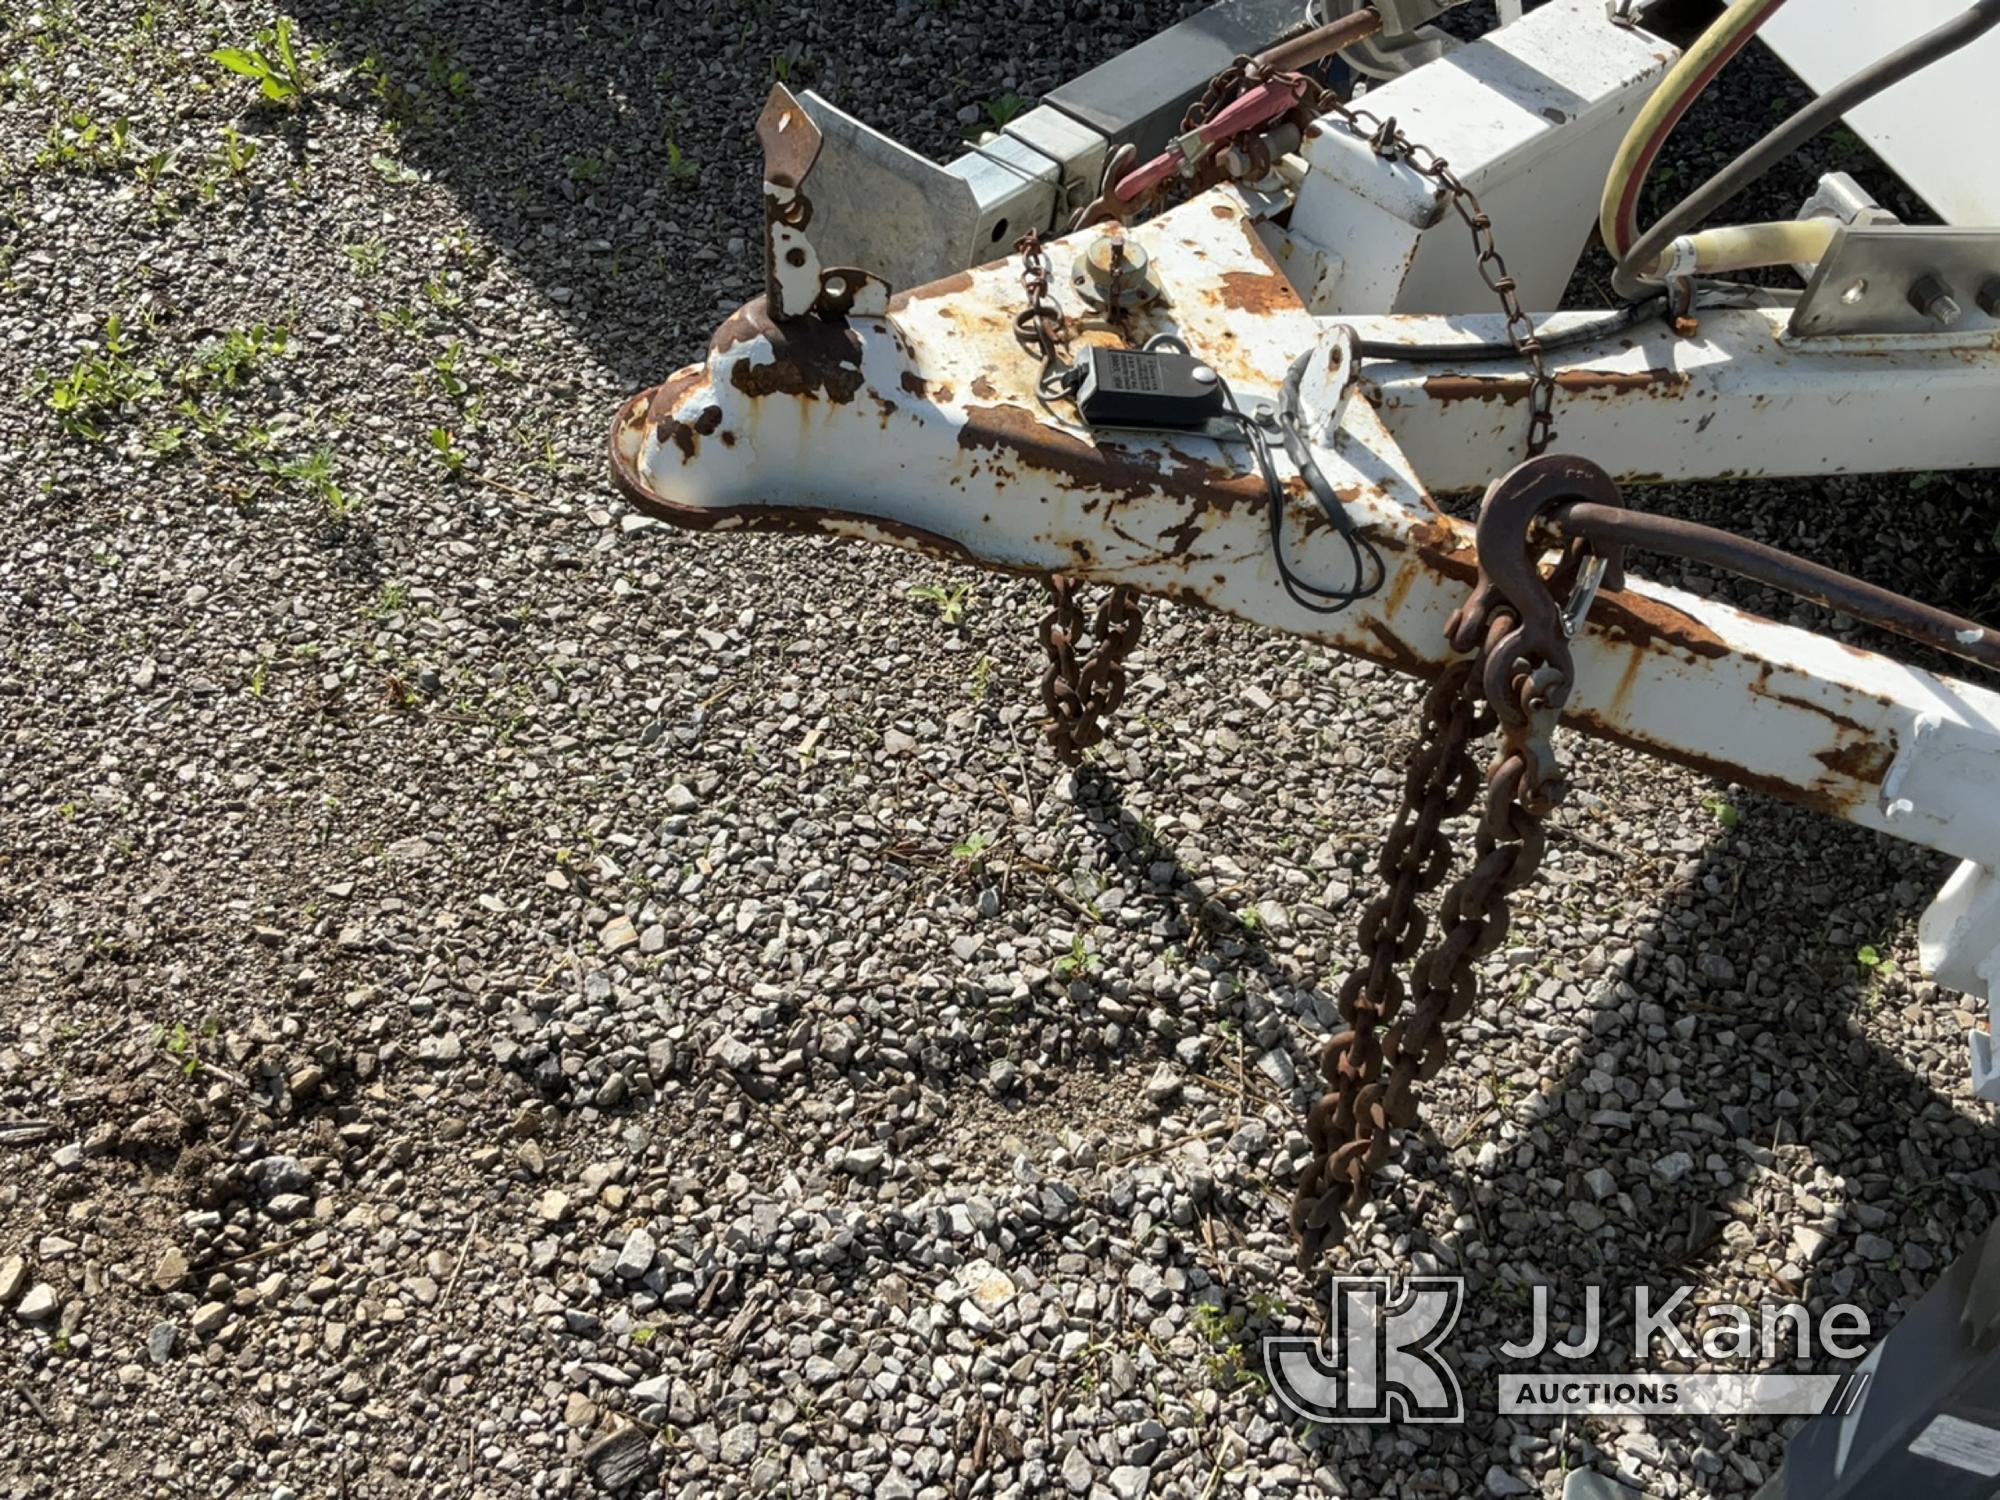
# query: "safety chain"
[[1348, 1127], [1516, 674], [1042, 326], [1391, 144], [1083, 686]]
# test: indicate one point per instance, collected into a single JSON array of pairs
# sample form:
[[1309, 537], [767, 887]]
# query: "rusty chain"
[[1392, 145], [1395, 1038], [1083, 683], [1042, 327], [1515, 674], [1349, 1127]]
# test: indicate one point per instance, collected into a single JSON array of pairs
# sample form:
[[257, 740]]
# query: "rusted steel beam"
[[921, 428], [1736, 401], [1942, 631]]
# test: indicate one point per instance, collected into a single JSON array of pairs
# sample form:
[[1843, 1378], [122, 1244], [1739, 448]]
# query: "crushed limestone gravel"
[[499, 999]]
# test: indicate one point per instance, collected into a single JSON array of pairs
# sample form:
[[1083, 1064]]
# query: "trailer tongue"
[[1248, 360]]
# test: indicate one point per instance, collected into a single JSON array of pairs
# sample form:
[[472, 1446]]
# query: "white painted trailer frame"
[[914, 420]]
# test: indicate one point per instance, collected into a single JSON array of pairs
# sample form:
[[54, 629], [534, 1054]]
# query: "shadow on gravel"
[[608, 149], [1756, 952], [1207, 925], [1793, 1083]]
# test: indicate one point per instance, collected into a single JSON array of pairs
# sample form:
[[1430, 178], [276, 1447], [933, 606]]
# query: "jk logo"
[[1380, 1362]]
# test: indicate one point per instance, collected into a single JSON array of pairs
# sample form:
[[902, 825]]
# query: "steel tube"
[[1854, 597], [1321, 42]]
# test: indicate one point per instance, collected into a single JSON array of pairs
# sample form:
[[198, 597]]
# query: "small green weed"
[[405, 320], [446, 367], [442, 294], [999, 113], [1875, 961], [445, 449], [230, 360], [315, 475], [446, 73], [1079, 960], [394, 171], [77, 143], [101, 385], [951, 602], [179, 1043], [790, 63], [681, 168], [273, 64], [366, 256], [237, 153]]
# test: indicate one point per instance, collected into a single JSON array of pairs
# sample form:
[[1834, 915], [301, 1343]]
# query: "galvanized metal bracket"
[[796, 284], [1903, 279]]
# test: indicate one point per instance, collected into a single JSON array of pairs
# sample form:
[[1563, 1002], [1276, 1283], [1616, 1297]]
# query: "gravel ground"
[[527, 1003]]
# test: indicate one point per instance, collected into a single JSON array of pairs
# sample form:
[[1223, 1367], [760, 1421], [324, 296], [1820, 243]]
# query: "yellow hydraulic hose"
[[1619, 215]]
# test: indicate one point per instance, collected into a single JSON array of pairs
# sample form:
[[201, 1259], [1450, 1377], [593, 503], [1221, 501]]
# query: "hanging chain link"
[[1348, 1128], [1516, 629], [1371, 1074], [1042, 326], [1085, 679], [1395, 1037], [1392, 144], [1083, 685]]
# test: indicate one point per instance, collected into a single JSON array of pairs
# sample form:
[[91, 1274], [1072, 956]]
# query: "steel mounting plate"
[[1864, 280]]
